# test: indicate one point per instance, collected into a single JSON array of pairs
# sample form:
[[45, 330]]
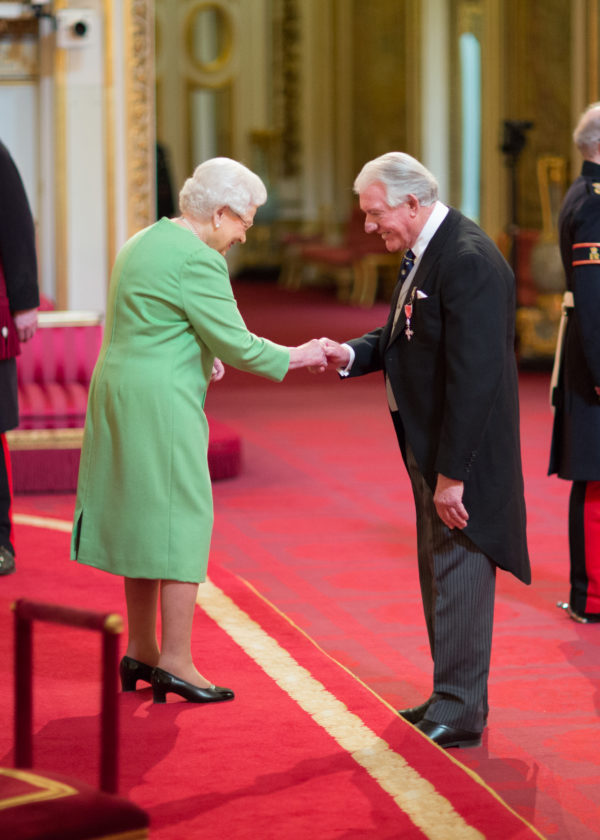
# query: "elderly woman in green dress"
[[144, 500]]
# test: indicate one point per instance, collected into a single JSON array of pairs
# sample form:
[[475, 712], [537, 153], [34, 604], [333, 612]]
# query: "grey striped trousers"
[[457, 587]]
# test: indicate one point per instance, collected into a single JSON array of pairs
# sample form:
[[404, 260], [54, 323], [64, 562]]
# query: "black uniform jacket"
[[575, 451], [455, 383], [18, 256]]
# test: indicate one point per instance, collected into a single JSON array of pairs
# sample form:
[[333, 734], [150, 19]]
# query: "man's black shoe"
[[448, 736], [415, 714], [7, 561]]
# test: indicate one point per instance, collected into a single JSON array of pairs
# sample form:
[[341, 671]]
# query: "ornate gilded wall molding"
[[61, 292], [139, 116], [109, 133], [18, 50], [215, 70], [593, 13], [287, 78]]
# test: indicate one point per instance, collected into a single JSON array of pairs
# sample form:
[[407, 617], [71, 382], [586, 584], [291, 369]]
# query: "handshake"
[[318, 354]]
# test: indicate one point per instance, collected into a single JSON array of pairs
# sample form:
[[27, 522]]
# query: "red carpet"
[[320, 521], [305, 750]]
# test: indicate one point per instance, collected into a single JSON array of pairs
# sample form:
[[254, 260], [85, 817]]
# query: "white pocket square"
[[421, 294]]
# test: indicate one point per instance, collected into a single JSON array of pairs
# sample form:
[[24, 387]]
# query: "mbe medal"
[[408, 312]]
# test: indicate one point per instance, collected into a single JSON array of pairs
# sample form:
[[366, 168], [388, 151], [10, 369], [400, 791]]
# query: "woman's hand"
[[310, 354], [218, 370]]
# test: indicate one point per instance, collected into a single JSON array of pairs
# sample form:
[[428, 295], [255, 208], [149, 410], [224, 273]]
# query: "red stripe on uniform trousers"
[[591, 530], [585, 262]]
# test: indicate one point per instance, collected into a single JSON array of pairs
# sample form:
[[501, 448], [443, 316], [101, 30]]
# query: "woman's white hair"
[[401, 175], [587, 133], [221, 182]]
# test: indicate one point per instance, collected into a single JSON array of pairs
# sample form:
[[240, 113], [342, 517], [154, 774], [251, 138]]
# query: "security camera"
[[79, 29], [75, 27]]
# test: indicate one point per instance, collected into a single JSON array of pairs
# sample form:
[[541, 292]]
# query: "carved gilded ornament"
[[141, 141], [18, 50], [216, 65]]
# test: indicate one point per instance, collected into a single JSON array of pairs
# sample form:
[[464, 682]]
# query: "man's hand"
[[26, 322], [448, 502], [337, 355], [218, 370]]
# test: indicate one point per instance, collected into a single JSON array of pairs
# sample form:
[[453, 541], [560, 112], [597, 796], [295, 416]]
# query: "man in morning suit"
[[575, 451], [447, 354], [19, 299]]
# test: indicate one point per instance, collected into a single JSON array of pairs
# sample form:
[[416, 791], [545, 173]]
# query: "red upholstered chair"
[[54, 371], [39, 805], [355, 263]]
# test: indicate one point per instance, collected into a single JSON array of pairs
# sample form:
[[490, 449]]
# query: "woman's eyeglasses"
[[247, 223]]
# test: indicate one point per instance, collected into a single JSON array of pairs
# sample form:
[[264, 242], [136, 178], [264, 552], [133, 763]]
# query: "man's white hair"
[[401, 175], [221, 182], [587, 133]]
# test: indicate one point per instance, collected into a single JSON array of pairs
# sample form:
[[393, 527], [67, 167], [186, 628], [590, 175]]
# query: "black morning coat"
[[575, 451], [17, 253], [455, 383]]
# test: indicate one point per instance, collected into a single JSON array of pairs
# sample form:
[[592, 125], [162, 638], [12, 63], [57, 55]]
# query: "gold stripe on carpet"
[[413, 794], [43, 522], [46, 788], [26, 439]]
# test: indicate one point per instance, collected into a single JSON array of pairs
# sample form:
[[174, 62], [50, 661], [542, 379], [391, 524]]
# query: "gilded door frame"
[[139, 113]]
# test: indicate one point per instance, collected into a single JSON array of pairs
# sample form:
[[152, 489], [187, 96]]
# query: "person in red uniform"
[[19, 299], [575, 449]]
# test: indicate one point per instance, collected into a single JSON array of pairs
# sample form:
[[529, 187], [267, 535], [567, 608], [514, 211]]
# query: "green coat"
[[144, 498]]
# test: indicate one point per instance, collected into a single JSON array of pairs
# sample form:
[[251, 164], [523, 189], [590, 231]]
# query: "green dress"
[[144, 498]]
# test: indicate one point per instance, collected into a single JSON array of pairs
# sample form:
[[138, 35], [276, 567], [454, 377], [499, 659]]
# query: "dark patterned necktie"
[[407, 264]]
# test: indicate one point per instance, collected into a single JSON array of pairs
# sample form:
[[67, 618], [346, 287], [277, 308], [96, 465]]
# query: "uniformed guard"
[[575, 451]]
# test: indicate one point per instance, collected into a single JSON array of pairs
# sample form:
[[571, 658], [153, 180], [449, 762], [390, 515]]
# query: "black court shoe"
[[163, 682], [130, 671]]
